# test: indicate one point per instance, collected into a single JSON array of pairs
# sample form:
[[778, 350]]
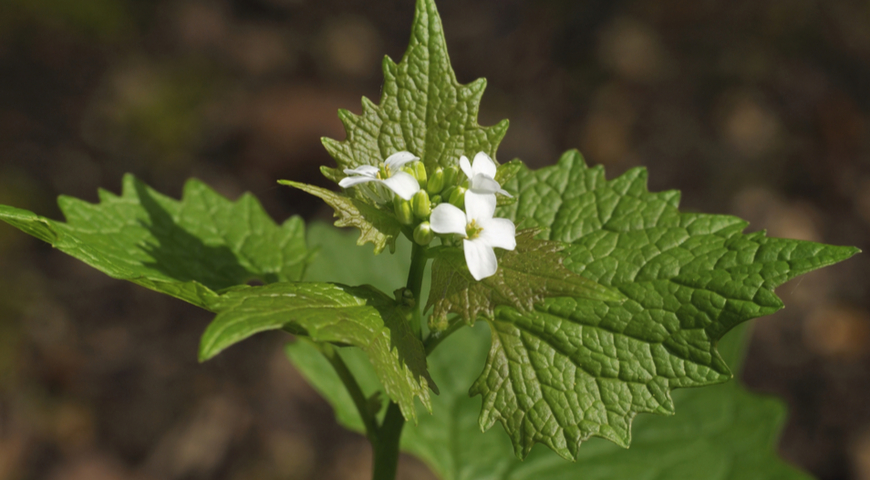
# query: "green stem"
[[415, 285], [386, 441], [353, 388], [386, 446]]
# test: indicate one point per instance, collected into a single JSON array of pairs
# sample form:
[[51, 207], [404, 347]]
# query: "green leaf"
[[376, 226], [385, 272], [525, 276], [720, 432], [423, 108], [358, 316], [188, 249], [575, 368], [329, 264]]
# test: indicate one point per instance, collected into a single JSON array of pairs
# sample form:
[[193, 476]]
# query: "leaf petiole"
[[352, 386]]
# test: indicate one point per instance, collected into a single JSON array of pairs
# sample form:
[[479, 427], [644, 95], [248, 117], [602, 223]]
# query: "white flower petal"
[[403, 184], [465, 165], [351, 181], [446, 218], [479, 206], [367, 170], [395, 161], [499, 233], [483, 164], [480, 259], [481, 183]]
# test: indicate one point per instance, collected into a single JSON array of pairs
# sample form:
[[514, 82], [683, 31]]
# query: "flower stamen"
[[473, 230]]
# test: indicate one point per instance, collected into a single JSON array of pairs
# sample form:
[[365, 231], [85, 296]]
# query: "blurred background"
[[758, 108]]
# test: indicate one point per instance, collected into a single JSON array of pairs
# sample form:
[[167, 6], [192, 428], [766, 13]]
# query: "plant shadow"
[[184, 257]]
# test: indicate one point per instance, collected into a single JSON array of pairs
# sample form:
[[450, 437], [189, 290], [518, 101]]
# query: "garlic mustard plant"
[[607, 303]]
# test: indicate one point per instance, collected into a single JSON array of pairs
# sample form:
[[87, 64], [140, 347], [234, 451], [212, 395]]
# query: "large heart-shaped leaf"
[[575, 368]]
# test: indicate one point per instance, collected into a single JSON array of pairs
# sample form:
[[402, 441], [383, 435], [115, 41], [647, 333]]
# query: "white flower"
[[401, 183], [482, 232], [482, 185]]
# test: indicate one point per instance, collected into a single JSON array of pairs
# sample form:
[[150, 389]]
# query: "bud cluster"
[[456, 208], [436, 187]]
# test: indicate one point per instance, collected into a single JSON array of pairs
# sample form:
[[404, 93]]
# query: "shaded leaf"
[[329, 264], [188, 249], [375, 225], [357, 316]]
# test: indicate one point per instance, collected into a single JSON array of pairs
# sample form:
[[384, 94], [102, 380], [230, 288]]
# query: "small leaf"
[[357, 316], [508, 171], [525, 276], [574, 368], [188, 249], [423, 108], [375, 225]]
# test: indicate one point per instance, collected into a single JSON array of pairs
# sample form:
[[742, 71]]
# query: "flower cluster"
[[441, 204]]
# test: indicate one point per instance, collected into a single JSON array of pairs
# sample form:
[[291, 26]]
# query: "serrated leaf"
[[525, 276], [358, 316], [576, 368], [423, 108], [376, 226], [188, 249], [720, 432]]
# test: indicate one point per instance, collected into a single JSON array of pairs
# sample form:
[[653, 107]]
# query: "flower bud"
[[450, 174], [420, 204], [435, 199], [457, 197], [423, 234], [436, 181], [403, 210], [418, 171], [445, 195]]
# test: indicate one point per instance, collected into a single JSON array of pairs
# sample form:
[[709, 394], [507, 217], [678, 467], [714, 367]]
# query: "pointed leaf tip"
[[688, 278]]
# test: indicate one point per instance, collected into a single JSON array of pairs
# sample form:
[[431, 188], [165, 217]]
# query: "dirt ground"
[[758, 108]]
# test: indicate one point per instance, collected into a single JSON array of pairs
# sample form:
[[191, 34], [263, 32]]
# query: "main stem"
[[386, 442], [415, 285]]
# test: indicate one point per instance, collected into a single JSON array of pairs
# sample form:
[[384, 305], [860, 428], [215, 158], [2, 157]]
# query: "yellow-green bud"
[[457, 198], [436, 181], [435, 199], [450, 174], [445, 195], [423, 234], [418, 171], [420, 204], [403, 210]]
